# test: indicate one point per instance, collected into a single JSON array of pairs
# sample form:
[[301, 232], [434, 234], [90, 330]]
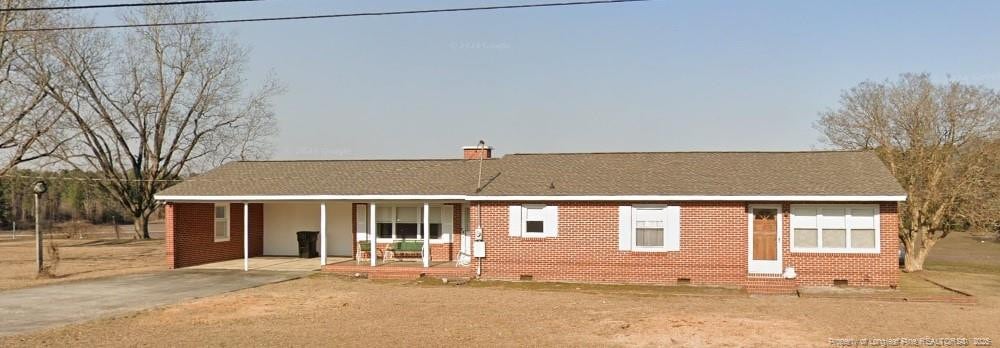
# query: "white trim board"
[[366, 198], [692, 198], [634, 198]]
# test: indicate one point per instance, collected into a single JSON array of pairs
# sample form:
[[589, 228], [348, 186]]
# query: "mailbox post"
[[39, 188]]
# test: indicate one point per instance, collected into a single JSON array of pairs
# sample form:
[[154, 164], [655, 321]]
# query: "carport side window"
[[221, 222]]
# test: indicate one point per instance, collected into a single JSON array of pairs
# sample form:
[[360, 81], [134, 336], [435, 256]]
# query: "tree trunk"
[[914, 260], [916, 252], [141, 223]]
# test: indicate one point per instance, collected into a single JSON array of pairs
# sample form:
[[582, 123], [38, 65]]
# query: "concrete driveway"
[[47, 306]]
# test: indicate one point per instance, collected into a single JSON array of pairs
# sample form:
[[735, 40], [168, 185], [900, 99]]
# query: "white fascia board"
[[167, 198], [528, 198], [694, 198]]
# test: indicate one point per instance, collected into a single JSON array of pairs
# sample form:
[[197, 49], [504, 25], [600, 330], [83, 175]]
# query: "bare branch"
[[177, 101]]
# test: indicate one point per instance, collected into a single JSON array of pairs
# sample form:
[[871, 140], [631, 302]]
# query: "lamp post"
[[39, 188]]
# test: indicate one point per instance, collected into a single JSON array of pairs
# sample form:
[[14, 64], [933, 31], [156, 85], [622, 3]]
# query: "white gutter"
[[475, 198], [689, 198], [308, 198]]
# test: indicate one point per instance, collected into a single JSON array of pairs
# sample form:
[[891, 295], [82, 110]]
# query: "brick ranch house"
[[760, 220]]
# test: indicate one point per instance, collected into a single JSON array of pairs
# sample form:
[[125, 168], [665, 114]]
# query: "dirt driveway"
[[70, 302]]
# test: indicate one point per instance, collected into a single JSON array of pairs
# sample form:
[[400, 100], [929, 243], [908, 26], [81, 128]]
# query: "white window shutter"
[[447, 229], [551, 220], [514, 221], [361, 226], [625, 227], [673, 224]]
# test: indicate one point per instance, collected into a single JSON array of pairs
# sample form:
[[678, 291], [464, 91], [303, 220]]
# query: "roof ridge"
[[357, 160], [683, 152]]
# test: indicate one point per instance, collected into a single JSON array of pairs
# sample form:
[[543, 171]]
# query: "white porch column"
[[322, 234], [246, 236], [371, 232], [427, 233]]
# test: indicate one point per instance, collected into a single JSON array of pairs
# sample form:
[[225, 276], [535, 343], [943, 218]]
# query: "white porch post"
[[322, 234], [427, 233], [246, 236], [371, 231]]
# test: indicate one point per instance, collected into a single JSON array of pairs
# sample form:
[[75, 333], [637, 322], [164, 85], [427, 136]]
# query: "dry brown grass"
[[78, 259], [346, 312]]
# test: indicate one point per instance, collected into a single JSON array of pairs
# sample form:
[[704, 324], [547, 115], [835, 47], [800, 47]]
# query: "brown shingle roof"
[[694, 173], [388, 177], [815, 173]]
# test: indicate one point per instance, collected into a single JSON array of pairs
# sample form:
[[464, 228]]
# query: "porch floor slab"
[[273, 263]]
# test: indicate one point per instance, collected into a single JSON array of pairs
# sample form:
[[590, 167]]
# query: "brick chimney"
[[474, 152]]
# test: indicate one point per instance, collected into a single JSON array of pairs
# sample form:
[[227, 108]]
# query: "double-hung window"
[[385, 218], [650, 227], [654, 228], [407, 222], [534, 221], [221, 222], [435, 223], [835, 228]]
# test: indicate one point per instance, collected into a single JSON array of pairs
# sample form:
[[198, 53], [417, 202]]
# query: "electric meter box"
[[479, 248]]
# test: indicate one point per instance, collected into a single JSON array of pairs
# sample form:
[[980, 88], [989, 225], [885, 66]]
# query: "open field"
[[330, 310], [78, 259], [963, 252]]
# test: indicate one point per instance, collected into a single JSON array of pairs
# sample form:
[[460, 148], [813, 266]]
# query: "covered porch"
[[264, 234]]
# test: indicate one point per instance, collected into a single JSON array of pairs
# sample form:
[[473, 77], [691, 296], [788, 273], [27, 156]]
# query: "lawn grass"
[[965, 253], [78, 259]]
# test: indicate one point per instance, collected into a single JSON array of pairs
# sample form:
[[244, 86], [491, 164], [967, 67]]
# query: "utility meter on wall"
[[479, 249]]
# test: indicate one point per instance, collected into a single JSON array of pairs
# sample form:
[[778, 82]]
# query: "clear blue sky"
[[656, 76]]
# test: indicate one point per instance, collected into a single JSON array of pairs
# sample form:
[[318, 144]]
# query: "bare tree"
[[27, 115], [150, 103], [938, 140]]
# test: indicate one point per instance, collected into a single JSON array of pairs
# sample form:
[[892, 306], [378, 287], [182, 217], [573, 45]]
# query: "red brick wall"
[[439, 251], [713, 246], [713, 249], [586, 248], [190, 235]]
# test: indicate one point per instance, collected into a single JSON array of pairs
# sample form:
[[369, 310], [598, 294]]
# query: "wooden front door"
[[765, 240]]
